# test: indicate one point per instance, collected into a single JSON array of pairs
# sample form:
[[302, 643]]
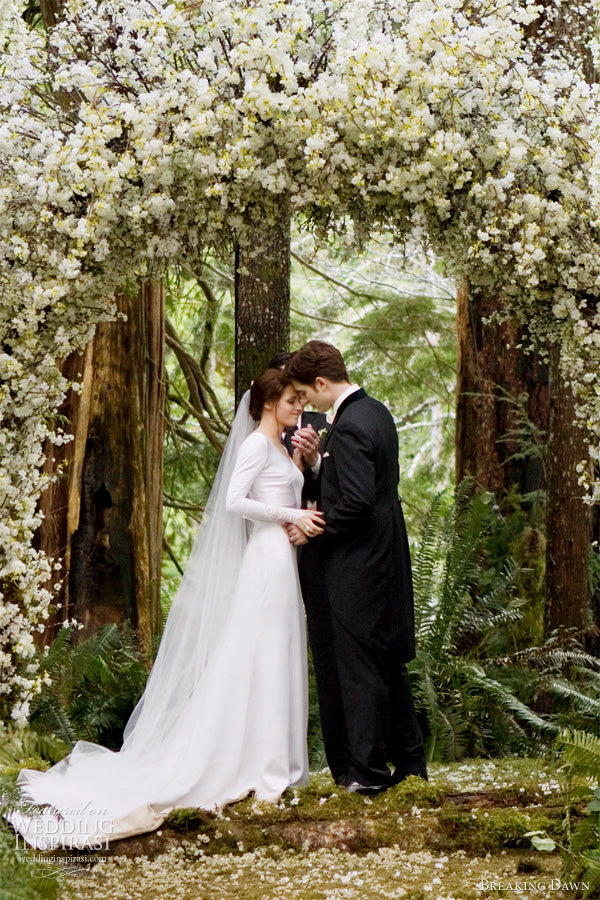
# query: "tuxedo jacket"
[[364, 549]]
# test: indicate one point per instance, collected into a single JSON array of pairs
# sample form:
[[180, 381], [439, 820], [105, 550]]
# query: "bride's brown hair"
[[268, 387]]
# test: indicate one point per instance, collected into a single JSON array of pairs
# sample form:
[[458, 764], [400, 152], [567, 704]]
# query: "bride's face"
[[289, 406]]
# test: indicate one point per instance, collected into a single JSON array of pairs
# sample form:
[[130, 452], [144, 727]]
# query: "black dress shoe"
[[419, 770], [368, 790], [342, 780]]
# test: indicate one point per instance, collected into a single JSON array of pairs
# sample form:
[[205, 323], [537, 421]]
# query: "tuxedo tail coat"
[[364, 550]]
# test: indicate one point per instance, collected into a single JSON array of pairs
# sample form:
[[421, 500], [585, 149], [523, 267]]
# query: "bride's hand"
[[311, 522], [297, 537], [307, 440]]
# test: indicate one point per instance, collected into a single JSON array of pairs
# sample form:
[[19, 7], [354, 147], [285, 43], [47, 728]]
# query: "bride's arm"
[[251, 460]]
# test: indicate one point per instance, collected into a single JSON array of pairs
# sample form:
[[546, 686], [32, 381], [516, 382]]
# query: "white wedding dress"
[[208, 732]]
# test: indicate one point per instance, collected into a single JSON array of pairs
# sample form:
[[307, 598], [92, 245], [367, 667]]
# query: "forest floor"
[[461, 835]]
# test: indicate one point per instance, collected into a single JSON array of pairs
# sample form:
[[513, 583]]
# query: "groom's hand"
[[296, 535], [298, 458], [307, 440]]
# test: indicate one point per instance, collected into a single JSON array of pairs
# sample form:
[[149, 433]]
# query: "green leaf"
[[542, 843]]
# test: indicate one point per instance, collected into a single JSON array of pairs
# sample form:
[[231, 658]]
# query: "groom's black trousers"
[[366, 706], [320, 634]]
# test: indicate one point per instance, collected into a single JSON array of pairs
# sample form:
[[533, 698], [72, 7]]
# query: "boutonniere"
[[323, 432]]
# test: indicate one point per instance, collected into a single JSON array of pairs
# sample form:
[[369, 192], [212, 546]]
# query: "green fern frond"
[[591, 873], [93, 688], [581, 751], [589, 706], [475, 699], [508, 702], [426, 563], [26, 743], [552, 658], [493, 609]]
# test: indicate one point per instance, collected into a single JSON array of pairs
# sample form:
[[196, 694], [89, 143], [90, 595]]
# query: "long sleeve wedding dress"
[[220, 718]]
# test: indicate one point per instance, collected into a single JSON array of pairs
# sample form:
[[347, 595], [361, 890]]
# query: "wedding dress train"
[[218, 719]]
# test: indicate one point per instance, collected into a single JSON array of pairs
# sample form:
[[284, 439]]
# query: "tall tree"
[[103, 518], [63, 465], [262, 296], [493, 372], [562, 30], [568, 516], [501, 399]]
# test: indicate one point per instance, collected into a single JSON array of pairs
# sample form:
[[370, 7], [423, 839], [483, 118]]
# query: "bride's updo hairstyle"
[[268, 387]]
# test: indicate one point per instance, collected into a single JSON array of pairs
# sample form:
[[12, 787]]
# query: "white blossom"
[[417, 116]]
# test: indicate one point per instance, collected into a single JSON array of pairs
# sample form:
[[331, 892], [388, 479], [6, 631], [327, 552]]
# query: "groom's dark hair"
[[317, 358], [280, 360]]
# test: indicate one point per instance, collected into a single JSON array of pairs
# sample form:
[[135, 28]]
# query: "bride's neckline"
[[278, 447]]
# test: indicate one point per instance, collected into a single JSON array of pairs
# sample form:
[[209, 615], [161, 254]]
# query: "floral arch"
[[142, 131]]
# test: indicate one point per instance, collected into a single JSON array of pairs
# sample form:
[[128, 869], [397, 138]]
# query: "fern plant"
[[92, 686], [581, 754], [478, 701], [25, 746], [22, 875]]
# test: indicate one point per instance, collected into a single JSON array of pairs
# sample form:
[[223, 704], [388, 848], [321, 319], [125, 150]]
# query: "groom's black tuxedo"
[[365, 546], [359, 602]]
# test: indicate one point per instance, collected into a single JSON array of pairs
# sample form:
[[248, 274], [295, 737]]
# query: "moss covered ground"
[[461, 835]]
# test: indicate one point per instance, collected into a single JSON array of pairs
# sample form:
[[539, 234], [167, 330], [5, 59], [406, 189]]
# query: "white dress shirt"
[[351, 390]]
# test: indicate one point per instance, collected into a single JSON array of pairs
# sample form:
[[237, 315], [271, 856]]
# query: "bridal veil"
[[96, 794]]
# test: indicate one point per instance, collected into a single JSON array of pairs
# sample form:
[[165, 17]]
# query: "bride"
[[224, 711]]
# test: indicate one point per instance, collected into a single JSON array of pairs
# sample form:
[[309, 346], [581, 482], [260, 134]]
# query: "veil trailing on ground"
[[95, 794], [200, 608]]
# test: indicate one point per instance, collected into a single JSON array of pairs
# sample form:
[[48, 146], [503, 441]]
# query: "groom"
[[358, 595]]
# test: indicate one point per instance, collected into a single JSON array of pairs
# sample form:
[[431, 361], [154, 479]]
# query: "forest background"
[[468, 304]]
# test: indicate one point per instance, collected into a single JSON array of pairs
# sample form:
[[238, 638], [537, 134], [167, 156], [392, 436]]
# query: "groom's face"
[[316, 394]]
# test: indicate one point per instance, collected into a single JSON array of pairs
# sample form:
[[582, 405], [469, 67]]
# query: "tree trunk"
[[501, 403], [262, 296], [106, 517], [103, 520], [568, 523], [60, 501], [592, 643], [568, 517], [51, 11]]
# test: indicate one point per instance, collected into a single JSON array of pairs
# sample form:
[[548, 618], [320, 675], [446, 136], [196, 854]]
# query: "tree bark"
[[568, 517], [498, 387], [51, 11], [560, 29], [105, 518], [60, 501], [262, 296], [592, 643]]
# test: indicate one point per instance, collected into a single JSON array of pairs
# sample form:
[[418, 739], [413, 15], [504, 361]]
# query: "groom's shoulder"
[[370, 417], [369, 407]]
